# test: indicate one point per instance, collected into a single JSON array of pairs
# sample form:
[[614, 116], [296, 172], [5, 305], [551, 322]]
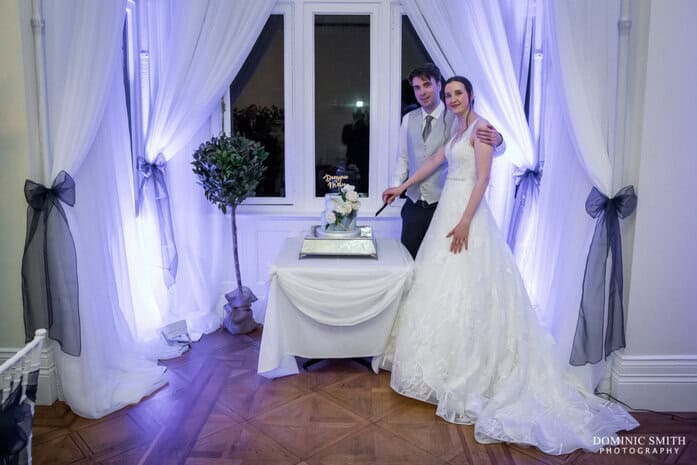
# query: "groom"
[[422, 132]]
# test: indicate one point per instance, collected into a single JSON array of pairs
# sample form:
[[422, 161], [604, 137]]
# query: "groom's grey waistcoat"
[[418, 150]]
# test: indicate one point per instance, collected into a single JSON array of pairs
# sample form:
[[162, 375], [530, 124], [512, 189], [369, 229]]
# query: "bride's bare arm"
[[426, 168], [460, 233]]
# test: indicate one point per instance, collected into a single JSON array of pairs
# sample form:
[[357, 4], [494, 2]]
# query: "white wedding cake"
[[340, 213]]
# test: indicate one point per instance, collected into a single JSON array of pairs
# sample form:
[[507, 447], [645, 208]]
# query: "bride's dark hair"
[[468, 88], [465, 82]]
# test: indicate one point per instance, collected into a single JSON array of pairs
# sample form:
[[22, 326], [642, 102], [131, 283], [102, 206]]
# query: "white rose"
[[352, 196], [330, 217], [340, 209], [347, 208], [348, 188]]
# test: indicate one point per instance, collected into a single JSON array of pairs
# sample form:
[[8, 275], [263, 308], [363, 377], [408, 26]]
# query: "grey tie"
[[427, 127]]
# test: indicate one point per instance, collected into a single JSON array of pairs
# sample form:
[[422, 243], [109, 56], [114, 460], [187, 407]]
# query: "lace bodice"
[[460, 156]]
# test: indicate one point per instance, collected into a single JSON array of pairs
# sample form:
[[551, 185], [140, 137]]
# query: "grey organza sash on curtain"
[[152, 175], [49, 265], [589, 344], [528, 185]]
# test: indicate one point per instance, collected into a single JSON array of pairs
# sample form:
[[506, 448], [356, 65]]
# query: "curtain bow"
[[528, 184], [153, 175], [147, 169], [49, 265], [39, 197], [154, 172], [588, 340]]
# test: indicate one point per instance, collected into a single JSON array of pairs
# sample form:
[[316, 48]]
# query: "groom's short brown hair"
[[426, 71]]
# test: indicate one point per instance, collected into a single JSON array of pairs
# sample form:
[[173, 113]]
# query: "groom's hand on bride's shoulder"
[[488, 134]]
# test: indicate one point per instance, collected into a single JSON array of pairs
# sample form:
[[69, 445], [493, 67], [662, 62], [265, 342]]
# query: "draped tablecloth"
[[331, 307]]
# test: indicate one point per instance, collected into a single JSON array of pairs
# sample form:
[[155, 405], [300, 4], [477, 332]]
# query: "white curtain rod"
[[37, 25]]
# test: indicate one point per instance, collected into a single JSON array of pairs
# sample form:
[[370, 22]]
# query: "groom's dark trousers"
[[416, 216]]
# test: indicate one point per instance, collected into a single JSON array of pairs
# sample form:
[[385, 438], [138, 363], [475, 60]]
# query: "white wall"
[[659, 367], [14, 169]]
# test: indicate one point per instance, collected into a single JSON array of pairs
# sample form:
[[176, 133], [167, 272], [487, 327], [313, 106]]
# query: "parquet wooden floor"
[[216, 410]]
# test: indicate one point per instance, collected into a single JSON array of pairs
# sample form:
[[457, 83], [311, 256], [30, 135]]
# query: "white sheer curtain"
[[196, 49], [113, 370], [580, 68], [83, 57], [82, 44], [469, 38], [584, 50], [517, 23]]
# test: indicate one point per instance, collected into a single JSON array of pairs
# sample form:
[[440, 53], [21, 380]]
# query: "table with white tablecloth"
[[331, 307]]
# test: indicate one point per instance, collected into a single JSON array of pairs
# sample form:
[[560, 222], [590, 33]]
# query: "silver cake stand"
[[325, 244]]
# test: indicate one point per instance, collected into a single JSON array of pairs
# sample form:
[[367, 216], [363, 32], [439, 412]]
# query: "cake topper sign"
[[336, 181]]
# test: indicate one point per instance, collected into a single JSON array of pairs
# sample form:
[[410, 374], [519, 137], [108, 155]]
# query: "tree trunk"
[[238, 311], [235, 255]]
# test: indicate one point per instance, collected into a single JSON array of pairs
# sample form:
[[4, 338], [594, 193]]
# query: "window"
[[257, 101], [320, 90], [342, 101], [325, 76]]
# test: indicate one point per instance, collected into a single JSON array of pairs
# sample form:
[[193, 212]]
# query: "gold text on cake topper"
[[334, 182]]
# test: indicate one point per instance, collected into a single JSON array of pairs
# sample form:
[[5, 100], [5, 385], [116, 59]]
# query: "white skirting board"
[[48, 390], [662, 383]]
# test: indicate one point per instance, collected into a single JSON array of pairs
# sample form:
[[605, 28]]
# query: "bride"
[[466, 337]]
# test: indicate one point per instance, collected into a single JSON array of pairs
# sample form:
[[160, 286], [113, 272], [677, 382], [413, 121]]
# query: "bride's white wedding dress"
[[467, 339]]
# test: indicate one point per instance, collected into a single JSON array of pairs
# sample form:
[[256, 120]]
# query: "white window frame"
[[395, 89], [138, 67], [378, 93], [299, 111]]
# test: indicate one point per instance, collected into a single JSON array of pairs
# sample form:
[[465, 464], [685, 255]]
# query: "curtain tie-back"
[[147, 168], [49, 265], [588, 341], [527, 182], [528, 176], [153, 174]]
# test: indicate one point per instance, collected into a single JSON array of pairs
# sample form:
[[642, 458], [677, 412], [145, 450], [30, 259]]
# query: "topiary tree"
[[229, 168]]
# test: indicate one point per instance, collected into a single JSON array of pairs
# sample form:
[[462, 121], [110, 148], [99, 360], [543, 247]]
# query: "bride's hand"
[[460, 234], [390, 194]]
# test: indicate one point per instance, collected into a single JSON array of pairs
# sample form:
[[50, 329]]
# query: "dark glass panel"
[[342, 101], [257, 100]]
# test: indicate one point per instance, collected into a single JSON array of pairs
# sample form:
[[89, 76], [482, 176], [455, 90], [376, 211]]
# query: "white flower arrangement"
[[344, 208]]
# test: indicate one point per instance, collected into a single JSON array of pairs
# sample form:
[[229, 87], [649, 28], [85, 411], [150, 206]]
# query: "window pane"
[[257, 98], [413, 54], [342, 100]]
